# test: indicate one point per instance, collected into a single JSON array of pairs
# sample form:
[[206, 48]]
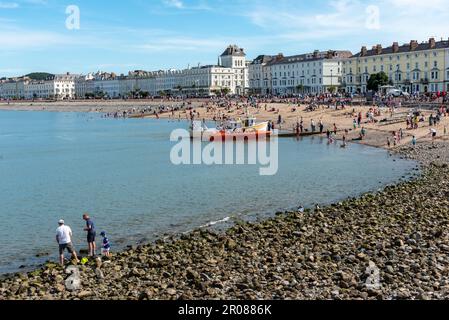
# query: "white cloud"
[[20, 39], [174, 3], [198, 5], [417, 4], [9, 5], [346, 21]]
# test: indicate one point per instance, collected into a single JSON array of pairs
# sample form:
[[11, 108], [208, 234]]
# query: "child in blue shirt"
[[106, 246]]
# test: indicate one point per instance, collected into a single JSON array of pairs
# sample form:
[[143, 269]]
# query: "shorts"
[[68, 246], [91, 237], [106, 251]]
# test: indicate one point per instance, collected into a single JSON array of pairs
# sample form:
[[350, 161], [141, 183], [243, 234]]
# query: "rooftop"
[[315, 56], [413, 46], [234, 50]]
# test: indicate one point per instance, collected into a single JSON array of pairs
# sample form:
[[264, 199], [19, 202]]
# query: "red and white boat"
[[235, 130]]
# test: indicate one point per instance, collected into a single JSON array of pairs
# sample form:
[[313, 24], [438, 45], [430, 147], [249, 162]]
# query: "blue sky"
[[161, 34]]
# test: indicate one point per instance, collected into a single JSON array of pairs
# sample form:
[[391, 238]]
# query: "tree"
[[225, 91], [377, 80], [300, 88], [332, 89], [40, 76]]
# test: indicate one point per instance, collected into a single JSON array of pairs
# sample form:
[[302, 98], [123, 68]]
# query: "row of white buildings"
[[311, 73], [230, 75], [57, 86], [413, 67]]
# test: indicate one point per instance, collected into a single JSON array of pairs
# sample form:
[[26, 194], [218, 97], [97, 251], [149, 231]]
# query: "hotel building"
[[56, 87], [13, 88], [311, 73], [413, 67], [231, 73]]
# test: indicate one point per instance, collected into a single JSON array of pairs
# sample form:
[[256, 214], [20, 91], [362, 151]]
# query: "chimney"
[[395, 47], [331, 54], [413, 45], [364, 51], [315, 53], [432, 43], [379, 49]]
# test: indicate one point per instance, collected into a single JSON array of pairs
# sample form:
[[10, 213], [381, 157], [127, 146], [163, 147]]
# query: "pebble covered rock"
[[393, 244]]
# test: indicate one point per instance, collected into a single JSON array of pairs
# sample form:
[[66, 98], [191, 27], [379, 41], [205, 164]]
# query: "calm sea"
[[59, 165]]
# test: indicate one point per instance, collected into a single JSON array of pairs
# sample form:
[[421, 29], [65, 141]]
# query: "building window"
[[434, 75]]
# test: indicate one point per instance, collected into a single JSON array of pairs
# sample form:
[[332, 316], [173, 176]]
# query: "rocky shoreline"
[[393, 244]]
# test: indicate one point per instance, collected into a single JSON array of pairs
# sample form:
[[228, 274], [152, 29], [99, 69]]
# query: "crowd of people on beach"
[[221, 109]]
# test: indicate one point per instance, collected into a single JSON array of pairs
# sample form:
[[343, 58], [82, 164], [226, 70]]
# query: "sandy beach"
[[377, 133]]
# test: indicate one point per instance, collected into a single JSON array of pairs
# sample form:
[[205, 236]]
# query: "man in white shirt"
[[64, 239]]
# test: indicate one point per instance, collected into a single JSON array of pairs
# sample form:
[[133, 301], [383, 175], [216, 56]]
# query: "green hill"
[[40, 75]]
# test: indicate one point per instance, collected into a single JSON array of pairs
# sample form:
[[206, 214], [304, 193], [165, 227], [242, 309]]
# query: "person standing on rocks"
[[91, 234], [106, 245], [433, 134], [64, 239]]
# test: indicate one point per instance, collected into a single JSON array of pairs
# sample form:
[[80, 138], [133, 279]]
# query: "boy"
[[106, 245]]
